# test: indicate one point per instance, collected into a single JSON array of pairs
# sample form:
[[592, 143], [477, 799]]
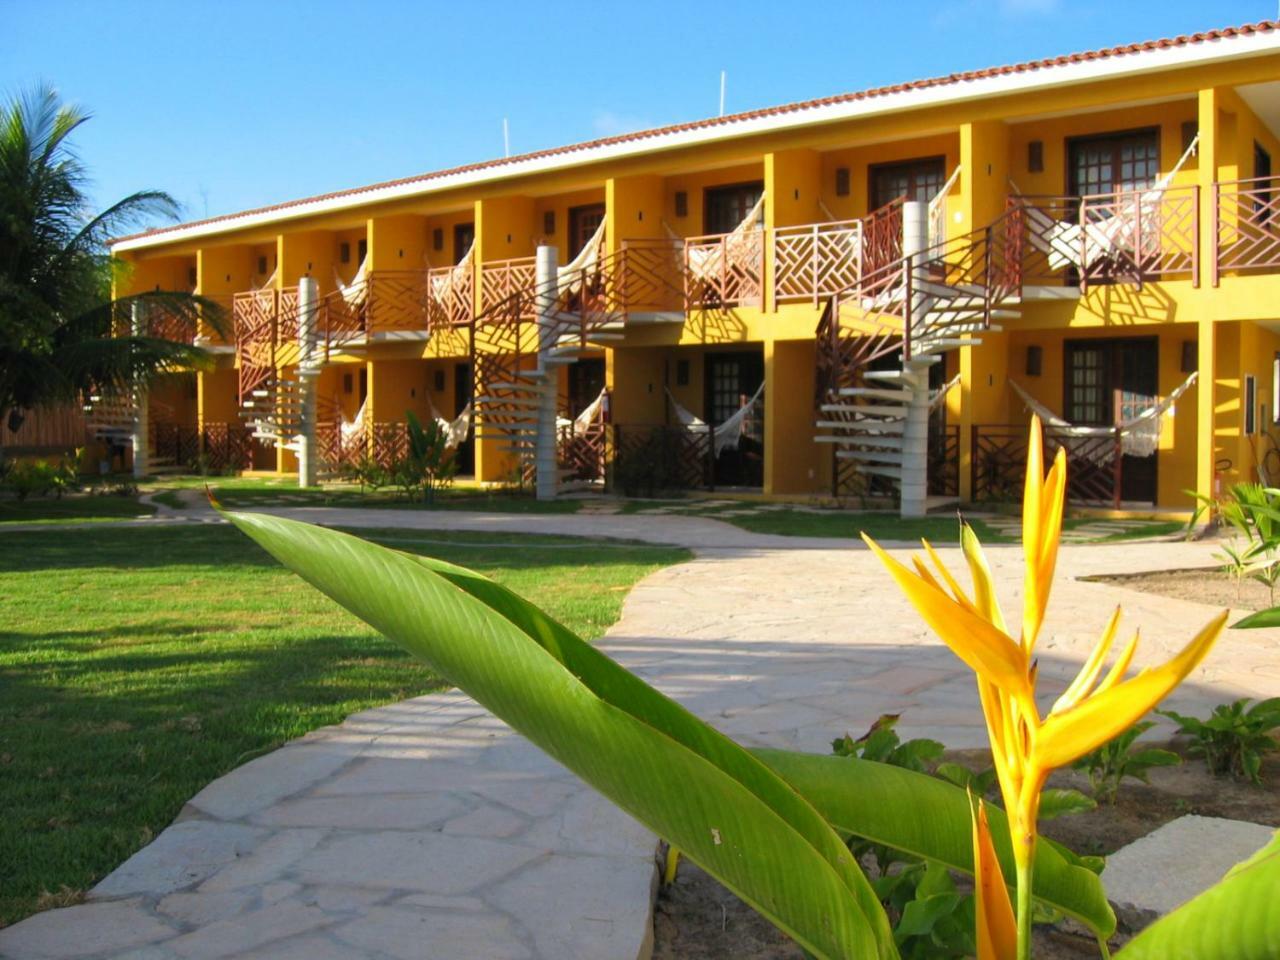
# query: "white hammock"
[[572, 273], [351, 429], [705, 261], [583, 420], [1139, 435], [455, 430], [726, 435], [355, 292], [443, 283], [938, 211], [270, 282], [1082, 244]]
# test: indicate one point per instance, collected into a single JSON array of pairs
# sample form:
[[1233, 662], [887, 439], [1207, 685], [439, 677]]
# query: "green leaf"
[[1263, 618], [862, 798], [1057, 802], [1236, 919], [684, 780]]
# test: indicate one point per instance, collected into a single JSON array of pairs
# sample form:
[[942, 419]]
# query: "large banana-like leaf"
[[865, 799], [1236, 919], [685, 781]]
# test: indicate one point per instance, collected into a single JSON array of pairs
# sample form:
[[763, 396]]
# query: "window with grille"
[[914, 179], [1114, 163], [1088, 387], [726, 207]]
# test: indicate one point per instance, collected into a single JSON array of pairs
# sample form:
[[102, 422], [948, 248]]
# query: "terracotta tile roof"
[[1030, 66]]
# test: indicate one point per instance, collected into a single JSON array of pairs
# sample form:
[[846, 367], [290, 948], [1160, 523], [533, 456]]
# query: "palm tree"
[[62, 334]]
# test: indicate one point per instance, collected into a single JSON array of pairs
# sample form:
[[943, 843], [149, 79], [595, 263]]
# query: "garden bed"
[[1207, 585], [697, 919]]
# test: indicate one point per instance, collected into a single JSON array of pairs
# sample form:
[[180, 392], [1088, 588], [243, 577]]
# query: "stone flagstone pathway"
[[427, 829]]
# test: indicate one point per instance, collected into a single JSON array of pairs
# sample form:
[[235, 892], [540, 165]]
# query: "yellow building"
[[862, 295]]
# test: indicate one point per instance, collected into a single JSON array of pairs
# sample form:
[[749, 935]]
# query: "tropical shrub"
[[1119, 758], [1234, 737], [771, 824], [428, 464], [40, 478], [1251, 513]]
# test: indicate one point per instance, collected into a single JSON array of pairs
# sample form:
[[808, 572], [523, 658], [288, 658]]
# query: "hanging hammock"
[[572, 274], [442, 284], [705, 260], [270, 282], [938, 211], [1139, 435], [1083, 244], [355, 292], [455, 430], [588, 415], [745, 423], [351, 429]]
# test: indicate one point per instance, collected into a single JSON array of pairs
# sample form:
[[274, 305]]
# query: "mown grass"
[[73, 508], [138, 664]]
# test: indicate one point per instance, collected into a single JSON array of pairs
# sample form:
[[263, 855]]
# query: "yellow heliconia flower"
[[995, 930], [1025, 747]]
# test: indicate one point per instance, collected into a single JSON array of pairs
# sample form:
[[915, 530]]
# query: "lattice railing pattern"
[[651, 275], [651, 458], [451, 295], [724, 270], [390, 442], [944, 461], [336, 450], [1246, 225], [227, 446], [175, 443], [1130, 237], [1094, 464], [816, 261], [502, 279]]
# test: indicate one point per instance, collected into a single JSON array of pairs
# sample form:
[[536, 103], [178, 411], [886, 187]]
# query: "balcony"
[[1128, 237], [1246, 226]]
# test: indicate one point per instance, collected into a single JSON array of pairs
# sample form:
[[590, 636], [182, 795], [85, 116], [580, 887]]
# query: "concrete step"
[[879, 393], [872, 456], [867, 440], [893, 473], [859, 426]]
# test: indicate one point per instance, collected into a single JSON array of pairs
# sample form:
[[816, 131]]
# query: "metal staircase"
[[910, 311], [113, 419]]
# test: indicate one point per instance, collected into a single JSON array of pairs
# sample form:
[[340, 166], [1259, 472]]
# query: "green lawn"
[[74, 508], [246, 493], [138, 664]]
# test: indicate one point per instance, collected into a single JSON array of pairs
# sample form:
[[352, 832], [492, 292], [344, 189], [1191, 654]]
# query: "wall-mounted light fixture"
[[682, 203], [344, 252], [437, 381], [1035, 360], [1190, 356], [1035, 156], [549, 222], [842, 181], [437, 238]]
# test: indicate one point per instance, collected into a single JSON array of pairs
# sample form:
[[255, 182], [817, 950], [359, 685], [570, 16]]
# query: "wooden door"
[[919, 179], [724, 208], [464, 234], [583, 223], [731, 380], [1113, 163], [1107, 382], [461, 397], [586, 380]]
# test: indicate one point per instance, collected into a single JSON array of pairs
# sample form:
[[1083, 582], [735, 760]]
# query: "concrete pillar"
[[308, 371], [1206, 355], [545, 459], [138, 398], [915, 434]]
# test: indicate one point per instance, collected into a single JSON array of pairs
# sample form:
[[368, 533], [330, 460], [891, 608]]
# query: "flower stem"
[[1024, 869]]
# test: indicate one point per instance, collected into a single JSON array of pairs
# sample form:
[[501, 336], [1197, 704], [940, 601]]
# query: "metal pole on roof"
[[506, 138], [722, 78]]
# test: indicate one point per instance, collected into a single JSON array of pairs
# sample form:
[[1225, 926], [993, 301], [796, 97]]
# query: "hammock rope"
[[349, 430], [938, 210], [355, 292], [588, 415], [573, 273], [443, 284], [705, 261], [455, 430], [744, 423], [1139, 435]]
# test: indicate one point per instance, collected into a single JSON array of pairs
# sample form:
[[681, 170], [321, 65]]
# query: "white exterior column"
[[545, 460], [308, 371], [915, 433], [139, 402]]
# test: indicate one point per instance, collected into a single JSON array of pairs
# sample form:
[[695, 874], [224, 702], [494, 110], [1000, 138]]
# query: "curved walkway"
[[429, 829]]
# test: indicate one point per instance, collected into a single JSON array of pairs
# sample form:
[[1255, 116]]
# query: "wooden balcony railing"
[[500, 279], [1246, 225], [1104, 238], [724, 270], [451, 295], [998, 468], [816, 261]]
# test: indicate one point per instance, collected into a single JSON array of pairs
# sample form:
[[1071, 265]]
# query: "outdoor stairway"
[[112, 420], [862, 410]]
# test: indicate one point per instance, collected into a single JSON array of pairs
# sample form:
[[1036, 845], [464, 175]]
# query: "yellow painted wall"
[[693, 224], [217, 396], [792, 460], [559, 205], [397, 243], [858, 160], [634, 209]]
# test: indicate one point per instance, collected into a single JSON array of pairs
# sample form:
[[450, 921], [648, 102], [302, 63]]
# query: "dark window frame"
[[1070, 144], [875, 170], [725, 189]]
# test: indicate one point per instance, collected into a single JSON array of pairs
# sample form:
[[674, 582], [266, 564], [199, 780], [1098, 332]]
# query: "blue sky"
[[234, 104]]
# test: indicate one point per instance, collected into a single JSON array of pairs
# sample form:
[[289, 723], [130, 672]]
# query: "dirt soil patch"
[[698, 919], [1207, 585]]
